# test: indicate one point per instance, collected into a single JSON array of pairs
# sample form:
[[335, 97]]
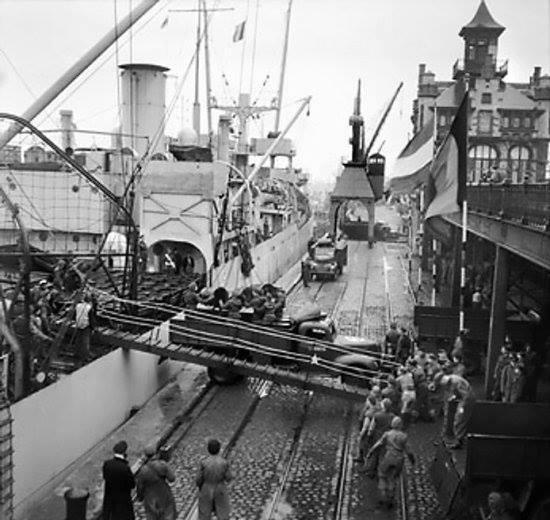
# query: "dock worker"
[[119, 482], [395, 443], [212, 479], [153, 488]]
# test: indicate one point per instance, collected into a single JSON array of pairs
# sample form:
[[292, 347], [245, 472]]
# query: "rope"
[[163, 307], [248, 346]]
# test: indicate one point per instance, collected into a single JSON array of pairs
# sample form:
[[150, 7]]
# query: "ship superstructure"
[[221, 206]]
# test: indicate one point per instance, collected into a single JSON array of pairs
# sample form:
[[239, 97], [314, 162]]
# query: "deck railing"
[[528, 204]]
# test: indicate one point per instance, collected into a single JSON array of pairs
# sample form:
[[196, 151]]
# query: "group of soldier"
[[516, 374], [423, 386], [262, 304]]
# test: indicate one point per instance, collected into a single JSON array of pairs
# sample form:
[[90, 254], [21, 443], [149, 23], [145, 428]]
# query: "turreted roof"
[[482, 20]]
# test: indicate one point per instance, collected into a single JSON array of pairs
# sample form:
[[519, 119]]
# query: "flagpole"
[[420, 242], [434, 269], [463, 263], [434, 242]]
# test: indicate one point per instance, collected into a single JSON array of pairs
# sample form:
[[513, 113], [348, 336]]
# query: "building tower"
[[481, 44]]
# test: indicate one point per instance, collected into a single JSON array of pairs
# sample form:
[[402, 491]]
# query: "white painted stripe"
[[411, 164]]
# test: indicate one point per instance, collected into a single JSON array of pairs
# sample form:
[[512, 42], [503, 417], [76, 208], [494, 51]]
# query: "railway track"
[[292, 454]]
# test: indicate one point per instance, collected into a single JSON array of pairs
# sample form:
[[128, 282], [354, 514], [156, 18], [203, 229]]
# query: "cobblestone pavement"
[[220, 419], [279, 429]]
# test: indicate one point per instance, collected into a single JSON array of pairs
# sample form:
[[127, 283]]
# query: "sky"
[[332, 44]]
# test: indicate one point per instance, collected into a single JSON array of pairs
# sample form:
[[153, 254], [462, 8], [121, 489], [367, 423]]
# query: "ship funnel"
[[375, 172], [67, 129], [223, 137], [143, 106]]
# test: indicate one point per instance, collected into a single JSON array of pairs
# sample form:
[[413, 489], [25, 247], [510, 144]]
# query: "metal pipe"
[[196, 103], [270, 150], [207, 72], [78, 68], [283, 68]]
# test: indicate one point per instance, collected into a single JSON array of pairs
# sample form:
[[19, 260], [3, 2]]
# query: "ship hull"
[[271, 258]]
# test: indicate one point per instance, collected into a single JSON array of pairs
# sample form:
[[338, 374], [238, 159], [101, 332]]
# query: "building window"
[[442, 120], [506, 122], [515, 122], [527, 122], [484, 122], [482, 159], [519, 163], [471, 52], [486, 98]]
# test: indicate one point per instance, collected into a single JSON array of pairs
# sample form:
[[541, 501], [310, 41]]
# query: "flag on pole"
[[446, 185], [164, 23], [238, 33], [413, 163]]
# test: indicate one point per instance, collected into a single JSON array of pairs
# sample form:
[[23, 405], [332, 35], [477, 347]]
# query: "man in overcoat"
[[119, 482]]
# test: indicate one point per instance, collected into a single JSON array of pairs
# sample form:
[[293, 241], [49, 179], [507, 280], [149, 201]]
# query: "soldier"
[[502, 362], [306, 273], [380, 424], [404, 346], [512, 381], [459, 390], [391, 464], [392, 337], [233, 305], [405, 382], [531, 373]]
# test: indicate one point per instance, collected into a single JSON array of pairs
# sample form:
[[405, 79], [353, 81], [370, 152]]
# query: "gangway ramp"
[[247, 349], [179, 352]]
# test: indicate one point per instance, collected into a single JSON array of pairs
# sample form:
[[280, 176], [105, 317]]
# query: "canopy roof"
[[353, 184], [482, 20]]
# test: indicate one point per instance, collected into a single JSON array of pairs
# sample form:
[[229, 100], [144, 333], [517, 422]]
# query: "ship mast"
[[283, 68], [196, 103]]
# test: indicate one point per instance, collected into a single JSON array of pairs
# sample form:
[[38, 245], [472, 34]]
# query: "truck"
[[307, 340], [327, 258], [507, 450]]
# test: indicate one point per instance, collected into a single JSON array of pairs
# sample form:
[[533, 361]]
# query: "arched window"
[[482, 159], [520, 163]]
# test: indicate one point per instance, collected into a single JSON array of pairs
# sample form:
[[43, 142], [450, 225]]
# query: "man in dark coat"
[[119, 482]]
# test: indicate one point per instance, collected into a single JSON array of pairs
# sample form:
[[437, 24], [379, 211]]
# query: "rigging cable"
[[117, 61], [100, 65], [179, 87]]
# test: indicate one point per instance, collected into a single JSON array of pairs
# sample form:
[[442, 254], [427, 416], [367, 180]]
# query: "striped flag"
[[446, 186], [413, 163], [238, 33]]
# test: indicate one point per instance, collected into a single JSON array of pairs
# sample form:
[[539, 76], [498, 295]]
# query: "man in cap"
[[459, 390], [119, 482]]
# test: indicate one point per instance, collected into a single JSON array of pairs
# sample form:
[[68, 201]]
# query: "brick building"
[[509, 122]]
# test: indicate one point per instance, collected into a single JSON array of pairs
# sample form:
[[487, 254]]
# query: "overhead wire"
[[154, 14]]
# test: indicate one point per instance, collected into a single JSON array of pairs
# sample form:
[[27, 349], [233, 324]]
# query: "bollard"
[[75, 503]]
